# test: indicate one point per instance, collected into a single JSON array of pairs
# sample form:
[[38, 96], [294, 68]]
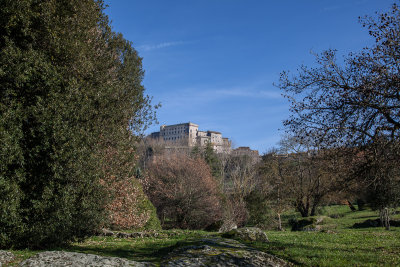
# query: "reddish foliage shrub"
[[183, 191], [236, 211], [128, 206]]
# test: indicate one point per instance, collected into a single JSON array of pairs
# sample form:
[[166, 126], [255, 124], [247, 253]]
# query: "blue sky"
[[214, 62]]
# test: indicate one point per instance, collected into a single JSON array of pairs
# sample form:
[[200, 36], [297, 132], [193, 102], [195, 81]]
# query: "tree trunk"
[[384, 217], [303, 209], [350, 206], [279, 222], [360, 204], [314, 207]]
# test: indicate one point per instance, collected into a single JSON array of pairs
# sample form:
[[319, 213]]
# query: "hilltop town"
[[188, 135]]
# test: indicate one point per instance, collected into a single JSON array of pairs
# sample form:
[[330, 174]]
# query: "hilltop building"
[[245, 150], [186, 135], [189, 135]]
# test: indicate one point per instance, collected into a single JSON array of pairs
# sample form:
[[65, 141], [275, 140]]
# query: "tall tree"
[[212, 160], [354, 104], [70, 88], [302, 175]]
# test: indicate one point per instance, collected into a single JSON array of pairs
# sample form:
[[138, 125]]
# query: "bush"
[[234, 210], [183, 191], [130, 208], [260, 213]]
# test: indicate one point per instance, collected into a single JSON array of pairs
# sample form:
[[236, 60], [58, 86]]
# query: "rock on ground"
[[221, 252], [247, 234], [62, 258], [106, 232], [5, 257], [309, 224], [211, 251], [227, 226]]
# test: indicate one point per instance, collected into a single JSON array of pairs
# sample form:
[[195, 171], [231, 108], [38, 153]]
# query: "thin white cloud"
[[331, 8], [150, 47], [196, 96], [250, 93]]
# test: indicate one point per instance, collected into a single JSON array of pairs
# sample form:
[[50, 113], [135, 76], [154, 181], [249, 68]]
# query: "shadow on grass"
[[150, 252], [140, 253]]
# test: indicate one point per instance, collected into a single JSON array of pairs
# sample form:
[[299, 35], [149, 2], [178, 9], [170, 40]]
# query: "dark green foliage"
[[212, 160], [145, 205], [195, 152], [69, 89], [260, 213], [153, 223]]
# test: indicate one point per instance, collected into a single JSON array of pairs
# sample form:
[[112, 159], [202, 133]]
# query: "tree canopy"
[[354, 102], [70, 89]]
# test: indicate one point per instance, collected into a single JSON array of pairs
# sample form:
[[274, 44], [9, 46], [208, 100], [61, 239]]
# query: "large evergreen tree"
[[70, 90]]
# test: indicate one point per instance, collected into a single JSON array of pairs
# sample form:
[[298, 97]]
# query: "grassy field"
[[337, 245]]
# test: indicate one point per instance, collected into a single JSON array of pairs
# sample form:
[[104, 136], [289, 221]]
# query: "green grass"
[[340, 246], [138, 249], [150, 249], [348, 247]]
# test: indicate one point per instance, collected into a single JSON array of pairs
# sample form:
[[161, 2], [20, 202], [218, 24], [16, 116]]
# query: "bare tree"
[[274, 186], [239, 180], [354, 104], [183, 191], [301, 175]]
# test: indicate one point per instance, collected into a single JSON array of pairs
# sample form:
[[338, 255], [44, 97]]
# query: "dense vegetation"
[[183, 191], [70, 91]]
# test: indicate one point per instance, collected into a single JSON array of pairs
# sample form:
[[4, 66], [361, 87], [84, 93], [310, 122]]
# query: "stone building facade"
[[189, 135], [246, 151]]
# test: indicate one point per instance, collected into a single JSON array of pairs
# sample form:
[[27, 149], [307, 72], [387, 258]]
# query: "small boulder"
[[214, 251], [308, 225], [227, 226], [105, 232], [123, 235], [247, 234], [63, 258], [5, 256]]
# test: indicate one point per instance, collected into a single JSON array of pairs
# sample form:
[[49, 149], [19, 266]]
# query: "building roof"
[[181, 124], [213, 132], [243, 148]]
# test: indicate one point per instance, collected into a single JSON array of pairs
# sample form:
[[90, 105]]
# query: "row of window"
[[175, 131], [173, 138]]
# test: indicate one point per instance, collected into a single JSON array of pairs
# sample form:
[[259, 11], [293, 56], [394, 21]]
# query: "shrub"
[[183, 191], [130, 208], [260, 213]]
